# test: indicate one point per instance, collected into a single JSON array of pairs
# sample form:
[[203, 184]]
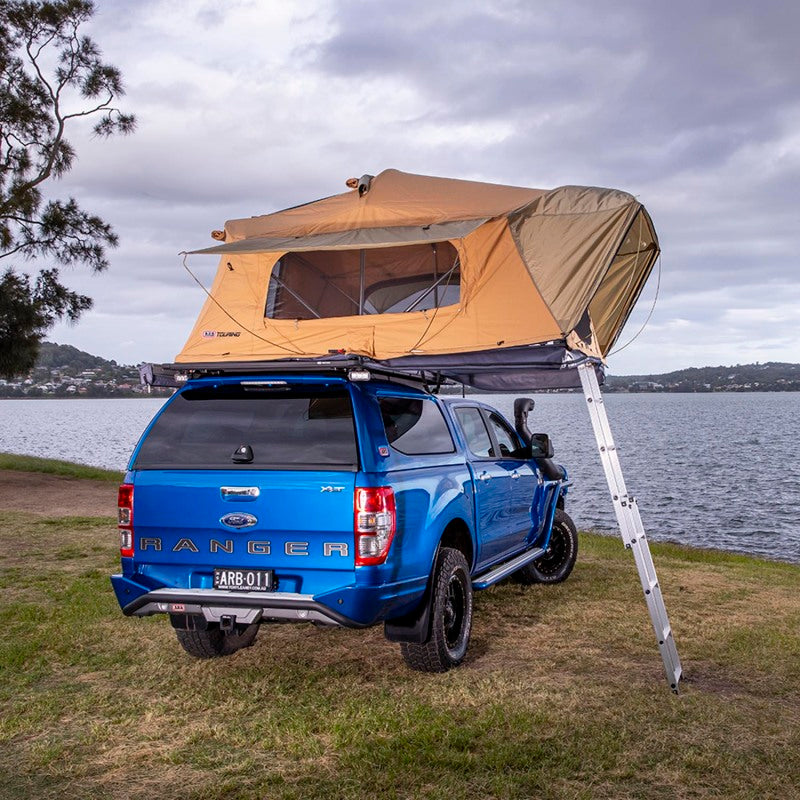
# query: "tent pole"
[[630, 524]]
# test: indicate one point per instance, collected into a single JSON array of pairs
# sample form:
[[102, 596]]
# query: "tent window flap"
[[343, 283]]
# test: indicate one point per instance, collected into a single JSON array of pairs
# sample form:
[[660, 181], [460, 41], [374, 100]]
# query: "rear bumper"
[[246, 607], [360, 604]]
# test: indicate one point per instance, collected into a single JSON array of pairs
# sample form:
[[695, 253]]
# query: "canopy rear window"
[[415, 426], [382, 280], [283, 427]]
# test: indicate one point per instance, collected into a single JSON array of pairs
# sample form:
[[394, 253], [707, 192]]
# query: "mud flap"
[[415, 626]]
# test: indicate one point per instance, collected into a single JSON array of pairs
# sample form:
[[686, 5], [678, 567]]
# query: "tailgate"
[[298, 523]]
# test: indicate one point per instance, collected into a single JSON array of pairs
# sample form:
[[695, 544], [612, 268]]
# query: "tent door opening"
[[630, 525], [320, 284]]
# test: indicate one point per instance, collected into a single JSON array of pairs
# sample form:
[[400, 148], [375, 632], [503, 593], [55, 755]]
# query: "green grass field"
[[52, 466], [562, 695]]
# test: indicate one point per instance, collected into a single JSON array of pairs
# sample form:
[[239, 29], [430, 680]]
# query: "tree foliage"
[[27, 311], [51, 77]]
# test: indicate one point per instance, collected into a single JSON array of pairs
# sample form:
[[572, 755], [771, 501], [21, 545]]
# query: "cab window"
[[506, 438], [478, 439]]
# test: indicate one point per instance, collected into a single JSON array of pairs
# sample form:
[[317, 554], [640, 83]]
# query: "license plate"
[[244, 580]]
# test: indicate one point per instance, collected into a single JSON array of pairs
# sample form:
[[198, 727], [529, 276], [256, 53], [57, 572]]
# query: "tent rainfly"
[[499, 287]]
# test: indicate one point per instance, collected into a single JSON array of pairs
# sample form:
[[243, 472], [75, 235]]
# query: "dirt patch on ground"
[[56, 496]]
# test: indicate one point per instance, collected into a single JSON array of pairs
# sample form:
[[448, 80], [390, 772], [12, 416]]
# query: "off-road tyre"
[[451, 617], [213, 643], [558, 560]]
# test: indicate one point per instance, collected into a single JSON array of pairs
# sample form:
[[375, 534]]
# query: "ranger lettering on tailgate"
[[252, 546]]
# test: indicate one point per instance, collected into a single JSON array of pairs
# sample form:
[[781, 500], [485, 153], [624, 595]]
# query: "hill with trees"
[[64, 371], [772, 376]]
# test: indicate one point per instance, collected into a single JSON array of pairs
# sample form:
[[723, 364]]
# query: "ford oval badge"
[[239, 520]]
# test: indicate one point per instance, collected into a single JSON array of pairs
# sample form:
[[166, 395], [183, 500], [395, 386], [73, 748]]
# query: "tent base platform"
[[513, 369]]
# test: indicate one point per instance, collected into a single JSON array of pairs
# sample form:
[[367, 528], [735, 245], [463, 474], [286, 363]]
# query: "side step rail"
[[506, 569], [630, 525]]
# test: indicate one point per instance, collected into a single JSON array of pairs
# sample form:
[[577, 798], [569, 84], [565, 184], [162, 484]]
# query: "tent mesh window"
[[343, 283]]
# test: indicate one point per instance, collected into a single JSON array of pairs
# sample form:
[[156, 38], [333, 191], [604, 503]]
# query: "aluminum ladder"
[[630, 524]]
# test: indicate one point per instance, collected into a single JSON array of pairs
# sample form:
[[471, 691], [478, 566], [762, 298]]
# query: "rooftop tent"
[[497, 286]]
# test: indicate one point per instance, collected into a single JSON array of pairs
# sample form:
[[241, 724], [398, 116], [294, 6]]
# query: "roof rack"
[[176, 375]]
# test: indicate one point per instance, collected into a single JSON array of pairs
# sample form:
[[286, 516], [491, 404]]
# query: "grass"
[[52, 466], [562, 694]]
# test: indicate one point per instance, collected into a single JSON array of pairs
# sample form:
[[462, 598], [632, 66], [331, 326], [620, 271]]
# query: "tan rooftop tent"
[[497, 286]]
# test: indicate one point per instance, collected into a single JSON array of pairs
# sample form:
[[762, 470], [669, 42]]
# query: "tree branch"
[[39, 73], [91, 110], [41, 46]]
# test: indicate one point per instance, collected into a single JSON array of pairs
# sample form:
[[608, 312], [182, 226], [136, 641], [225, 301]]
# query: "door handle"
[[484, 476], [239, 492], [515, 476]]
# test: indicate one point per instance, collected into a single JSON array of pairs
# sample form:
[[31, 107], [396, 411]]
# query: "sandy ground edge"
[[55, 495]]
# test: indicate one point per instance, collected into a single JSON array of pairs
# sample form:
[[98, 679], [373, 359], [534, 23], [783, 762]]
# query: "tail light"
[[374, 524], [125, 520]]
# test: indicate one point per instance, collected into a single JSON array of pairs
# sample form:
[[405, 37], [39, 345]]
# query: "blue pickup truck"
[[338, 498]]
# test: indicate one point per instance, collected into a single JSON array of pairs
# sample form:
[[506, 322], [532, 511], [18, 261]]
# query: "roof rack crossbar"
[[175, 375]]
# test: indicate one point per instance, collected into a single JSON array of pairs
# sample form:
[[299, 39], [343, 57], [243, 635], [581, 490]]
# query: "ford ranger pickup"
[[337, 498]]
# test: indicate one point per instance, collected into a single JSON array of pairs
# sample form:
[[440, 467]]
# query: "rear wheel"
[[451, 617], [213, 642], [558, 560]]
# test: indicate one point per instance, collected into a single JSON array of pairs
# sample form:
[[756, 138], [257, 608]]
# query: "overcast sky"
[[251, 106]]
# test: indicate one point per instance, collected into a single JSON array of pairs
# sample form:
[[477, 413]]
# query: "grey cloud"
[[686, 84]]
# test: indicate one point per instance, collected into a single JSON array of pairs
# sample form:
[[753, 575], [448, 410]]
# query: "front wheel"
[[213, 642], [559, 558], [451, 617]]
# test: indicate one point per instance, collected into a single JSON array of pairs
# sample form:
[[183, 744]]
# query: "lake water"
[[713, 470]]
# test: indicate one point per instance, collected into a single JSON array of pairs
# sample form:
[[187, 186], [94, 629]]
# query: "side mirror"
[[541, 446]]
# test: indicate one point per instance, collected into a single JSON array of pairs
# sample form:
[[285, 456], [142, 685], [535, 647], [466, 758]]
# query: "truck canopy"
[[499, 287]]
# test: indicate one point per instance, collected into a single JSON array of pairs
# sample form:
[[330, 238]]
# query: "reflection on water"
[[715, 470]]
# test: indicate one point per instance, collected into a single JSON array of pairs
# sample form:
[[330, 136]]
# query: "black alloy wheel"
[[556, 564], [454, 610]]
